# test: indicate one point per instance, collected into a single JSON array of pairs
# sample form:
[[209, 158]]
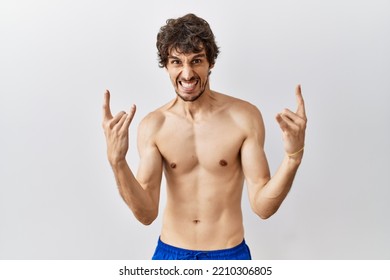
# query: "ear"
[[210, 67]]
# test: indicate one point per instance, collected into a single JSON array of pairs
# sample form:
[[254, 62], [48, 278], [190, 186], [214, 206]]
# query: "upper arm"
[[150, 166], [253, 158]]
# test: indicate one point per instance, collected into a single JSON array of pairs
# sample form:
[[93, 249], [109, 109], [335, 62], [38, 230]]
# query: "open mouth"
[[189, 85]]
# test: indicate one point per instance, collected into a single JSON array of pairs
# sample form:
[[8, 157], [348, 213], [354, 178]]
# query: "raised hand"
[[116, 130], [293, 126]]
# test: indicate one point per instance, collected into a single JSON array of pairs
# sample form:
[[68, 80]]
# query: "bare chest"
[[213, 145]]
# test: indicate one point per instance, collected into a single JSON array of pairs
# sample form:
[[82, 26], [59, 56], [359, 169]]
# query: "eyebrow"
[[201, 55]]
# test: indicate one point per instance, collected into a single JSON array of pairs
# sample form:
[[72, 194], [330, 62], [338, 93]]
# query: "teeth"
[[187, 85]]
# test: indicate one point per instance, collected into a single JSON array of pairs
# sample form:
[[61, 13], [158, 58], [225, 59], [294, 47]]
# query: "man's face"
[[189, 74]]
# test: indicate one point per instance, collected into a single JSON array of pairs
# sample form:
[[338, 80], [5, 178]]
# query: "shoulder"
[[243, 112], [154, 120], [248, 118], [237, 105], [150, 125]]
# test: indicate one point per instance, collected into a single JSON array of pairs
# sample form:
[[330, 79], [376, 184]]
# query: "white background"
[[58, 198]]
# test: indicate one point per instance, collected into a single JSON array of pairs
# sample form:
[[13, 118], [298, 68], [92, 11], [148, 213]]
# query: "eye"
[[175, 61], [197, 61]]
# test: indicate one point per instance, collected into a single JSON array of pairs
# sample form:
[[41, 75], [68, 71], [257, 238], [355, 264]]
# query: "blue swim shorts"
[[168, 252]]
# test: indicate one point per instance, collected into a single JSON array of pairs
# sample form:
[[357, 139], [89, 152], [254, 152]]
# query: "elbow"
[[265, 216], [266, 213], [146, 222], [146, 218]]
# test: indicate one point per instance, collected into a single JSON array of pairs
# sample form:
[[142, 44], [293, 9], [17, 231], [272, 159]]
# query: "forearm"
[[270, 196], [135, 196]]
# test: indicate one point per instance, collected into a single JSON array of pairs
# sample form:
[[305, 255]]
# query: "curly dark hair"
[[187, 34]]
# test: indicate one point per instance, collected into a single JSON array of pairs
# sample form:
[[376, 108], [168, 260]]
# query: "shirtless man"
[[207, 144]]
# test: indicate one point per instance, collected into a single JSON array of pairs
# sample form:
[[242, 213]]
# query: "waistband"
[[222, 252]]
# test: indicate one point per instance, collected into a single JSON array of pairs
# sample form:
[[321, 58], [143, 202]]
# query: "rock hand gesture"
[[116, 130]]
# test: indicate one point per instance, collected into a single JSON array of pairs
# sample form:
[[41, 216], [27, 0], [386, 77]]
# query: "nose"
[[187, 73]]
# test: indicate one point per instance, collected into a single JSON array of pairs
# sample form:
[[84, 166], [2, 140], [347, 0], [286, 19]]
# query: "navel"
[[223, 162], [173, 165], [196, 221]]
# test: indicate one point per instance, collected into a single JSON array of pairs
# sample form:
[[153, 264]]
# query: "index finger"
[[301, 103], [106, 106]]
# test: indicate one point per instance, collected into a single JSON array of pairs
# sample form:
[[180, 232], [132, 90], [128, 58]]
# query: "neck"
[[198, 109]]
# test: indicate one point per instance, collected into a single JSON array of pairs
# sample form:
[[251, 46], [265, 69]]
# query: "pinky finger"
[[129, 117]]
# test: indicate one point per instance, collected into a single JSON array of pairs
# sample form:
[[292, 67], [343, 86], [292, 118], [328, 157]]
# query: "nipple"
[[173, 165], [223, 162]]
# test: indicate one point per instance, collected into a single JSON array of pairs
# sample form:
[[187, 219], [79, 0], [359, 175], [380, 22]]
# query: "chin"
[[190, 98]]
